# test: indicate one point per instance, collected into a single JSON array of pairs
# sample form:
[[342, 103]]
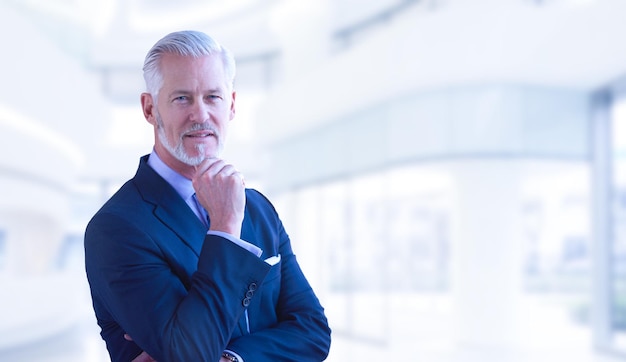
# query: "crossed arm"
[[137, 291]]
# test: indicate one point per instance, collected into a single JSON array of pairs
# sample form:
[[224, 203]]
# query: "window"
[[3, 257], [617, 248]]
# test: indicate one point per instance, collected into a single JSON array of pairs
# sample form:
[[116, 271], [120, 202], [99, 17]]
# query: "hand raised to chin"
[[220, 189]]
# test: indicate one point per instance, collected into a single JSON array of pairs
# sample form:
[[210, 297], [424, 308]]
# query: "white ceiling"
[[568, 44]]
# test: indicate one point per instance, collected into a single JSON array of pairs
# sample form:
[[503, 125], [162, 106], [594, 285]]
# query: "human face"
[[195, 105]]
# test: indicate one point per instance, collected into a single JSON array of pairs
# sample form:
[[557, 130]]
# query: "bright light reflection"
[[182, 16], [129, 128], [20, 123]]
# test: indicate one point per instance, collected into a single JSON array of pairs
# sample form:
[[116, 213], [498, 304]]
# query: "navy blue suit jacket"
[[181, 294]]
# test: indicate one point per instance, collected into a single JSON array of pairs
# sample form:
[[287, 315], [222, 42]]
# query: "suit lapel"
[[169, 207]]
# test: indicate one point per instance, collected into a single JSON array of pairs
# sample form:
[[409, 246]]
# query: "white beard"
[[178, 150]]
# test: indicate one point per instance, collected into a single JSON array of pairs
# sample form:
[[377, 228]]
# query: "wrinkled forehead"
[[187, 74], [205, 69]]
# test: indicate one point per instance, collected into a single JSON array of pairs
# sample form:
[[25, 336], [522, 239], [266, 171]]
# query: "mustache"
[[194, 127], [201, 127]]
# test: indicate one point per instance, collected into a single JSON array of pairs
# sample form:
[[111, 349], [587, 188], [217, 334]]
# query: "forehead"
[[179, 71]]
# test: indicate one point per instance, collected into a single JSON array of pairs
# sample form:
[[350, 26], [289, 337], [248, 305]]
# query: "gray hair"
[[184, 43]]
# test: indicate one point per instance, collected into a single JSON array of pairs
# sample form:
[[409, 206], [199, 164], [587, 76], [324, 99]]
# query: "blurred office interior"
[[452, 173]]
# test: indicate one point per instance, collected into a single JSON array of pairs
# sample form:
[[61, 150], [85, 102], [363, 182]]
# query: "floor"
[[365, 328], [82, 344]]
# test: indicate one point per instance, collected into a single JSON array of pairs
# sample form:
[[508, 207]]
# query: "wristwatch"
[[229, 356]]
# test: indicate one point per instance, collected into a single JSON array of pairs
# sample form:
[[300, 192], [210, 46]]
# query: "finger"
[[221, 169], [127, 337], [204, 165], [206, 169], [229, 170], [232, 172], [240, 175], [143, 357]]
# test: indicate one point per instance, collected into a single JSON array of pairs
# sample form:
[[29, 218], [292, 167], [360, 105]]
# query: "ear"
[[232, 105], [147, 105]]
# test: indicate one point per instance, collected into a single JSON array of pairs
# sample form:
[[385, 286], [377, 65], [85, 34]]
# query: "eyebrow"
[[178, 92], [183, 91]]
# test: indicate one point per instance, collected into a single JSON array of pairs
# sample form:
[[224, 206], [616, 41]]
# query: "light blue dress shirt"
[[184, 188]]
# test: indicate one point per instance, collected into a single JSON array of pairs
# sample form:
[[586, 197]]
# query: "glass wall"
[[378, 235], [617, 303], [2, 249], [384, 249]]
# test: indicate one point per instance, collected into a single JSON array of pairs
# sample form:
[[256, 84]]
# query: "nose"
[[199, 112]]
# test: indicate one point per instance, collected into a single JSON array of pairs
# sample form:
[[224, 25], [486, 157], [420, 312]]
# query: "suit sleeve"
[[301, 332], [169, 320]]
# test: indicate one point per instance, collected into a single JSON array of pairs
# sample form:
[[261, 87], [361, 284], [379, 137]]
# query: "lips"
[[199, 134]]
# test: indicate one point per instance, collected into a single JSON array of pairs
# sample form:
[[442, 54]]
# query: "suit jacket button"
[[249, 294], [246, 302], [252, 287]]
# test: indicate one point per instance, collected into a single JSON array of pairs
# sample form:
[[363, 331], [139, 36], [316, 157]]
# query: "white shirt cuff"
[[244, 244]]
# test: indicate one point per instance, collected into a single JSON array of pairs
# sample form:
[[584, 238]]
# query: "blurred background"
[[452, 173]]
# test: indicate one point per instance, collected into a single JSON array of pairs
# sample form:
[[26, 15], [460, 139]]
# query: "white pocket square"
[[273, 260]]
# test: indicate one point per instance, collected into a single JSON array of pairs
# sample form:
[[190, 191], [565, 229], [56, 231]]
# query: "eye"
[[180, 99], [213, 97]]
